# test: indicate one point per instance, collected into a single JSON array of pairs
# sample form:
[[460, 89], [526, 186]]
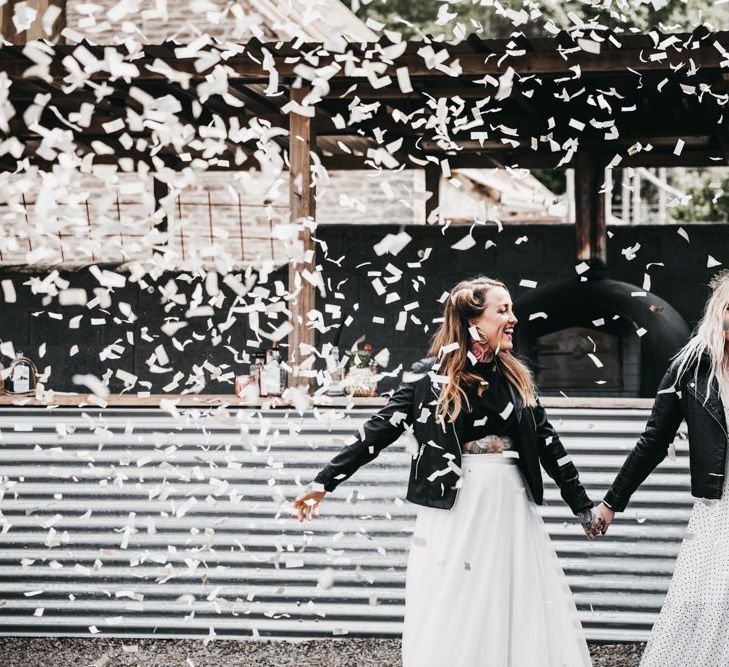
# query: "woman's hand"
[[307, 502], [590, 523], [605, 516]]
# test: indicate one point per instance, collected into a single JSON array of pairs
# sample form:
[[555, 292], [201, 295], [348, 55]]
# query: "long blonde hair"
[[466, 301], [709, 336]]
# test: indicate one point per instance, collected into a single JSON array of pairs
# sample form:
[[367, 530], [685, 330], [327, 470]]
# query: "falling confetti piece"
[[466, 243], [9, 293], [595, 360]]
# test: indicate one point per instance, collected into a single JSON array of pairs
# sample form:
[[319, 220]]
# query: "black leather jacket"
[[436, 468], [677, 400]]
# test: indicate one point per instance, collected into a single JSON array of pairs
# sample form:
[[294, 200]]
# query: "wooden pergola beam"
[[483, 160], [550, 58], [302, 140], [504, 136]]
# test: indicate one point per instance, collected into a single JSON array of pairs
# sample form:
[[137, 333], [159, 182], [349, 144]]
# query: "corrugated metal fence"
[[140, 522]]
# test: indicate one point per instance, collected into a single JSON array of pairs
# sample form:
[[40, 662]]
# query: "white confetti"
[[93, 383], [9, 291], [466, 243], [392, 243], [595, 360]]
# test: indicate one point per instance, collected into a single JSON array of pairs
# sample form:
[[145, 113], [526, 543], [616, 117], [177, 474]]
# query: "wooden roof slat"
[[544, 72], [548, 60]]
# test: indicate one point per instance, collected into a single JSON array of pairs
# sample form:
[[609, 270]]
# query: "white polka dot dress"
[[692, 629]]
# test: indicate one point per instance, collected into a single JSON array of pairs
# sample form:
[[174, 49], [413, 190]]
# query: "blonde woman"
[[692, 629], [483, 584]]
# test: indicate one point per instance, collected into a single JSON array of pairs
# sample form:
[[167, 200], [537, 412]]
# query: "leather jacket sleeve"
[[652, 446], [379, 431], [558, 464]]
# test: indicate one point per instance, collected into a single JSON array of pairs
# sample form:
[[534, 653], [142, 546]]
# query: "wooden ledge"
[[215, 400]]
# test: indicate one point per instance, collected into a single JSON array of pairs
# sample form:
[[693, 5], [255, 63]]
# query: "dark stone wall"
[[543, 253]]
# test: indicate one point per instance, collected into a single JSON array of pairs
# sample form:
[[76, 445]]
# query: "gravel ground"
[[104, 652]]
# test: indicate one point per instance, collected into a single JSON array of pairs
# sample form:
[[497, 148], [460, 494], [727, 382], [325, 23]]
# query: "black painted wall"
[[542, 253], [28, 323]]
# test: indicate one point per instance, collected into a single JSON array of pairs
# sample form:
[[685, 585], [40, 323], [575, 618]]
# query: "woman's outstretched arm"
[[652, 446], [379, 431]]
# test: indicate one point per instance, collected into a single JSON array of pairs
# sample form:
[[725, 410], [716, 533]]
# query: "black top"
[[493, 412]]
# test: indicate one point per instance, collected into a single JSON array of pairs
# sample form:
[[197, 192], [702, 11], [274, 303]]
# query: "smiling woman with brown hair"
[[484, 586]]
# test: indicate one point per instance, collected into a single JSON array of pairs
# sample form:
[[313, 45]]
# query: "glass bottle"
[[259, 360], [336, 387], [282, 374], [271, 374]]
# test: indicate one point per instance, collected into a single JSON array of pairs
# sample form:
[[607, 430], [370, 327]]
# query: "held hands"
[[606, 516], [596, 521], [307, 502]]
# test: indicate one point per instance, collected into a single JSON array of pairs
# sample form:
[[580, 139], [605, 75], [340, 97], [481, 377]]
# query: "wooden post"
[[302, 139], [590, 210], [36, 30], [432, 185]]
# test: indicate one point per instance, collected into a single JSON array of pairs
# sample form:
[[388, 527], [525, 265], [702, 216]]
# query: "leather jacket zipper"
[[460, 452], [420, 457]]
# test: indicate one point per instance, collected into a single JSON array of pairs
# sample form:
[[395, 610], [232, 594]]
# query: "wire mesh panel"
[[117, 219], [214, 220], [228, 220], [140, 522], [47, 221]]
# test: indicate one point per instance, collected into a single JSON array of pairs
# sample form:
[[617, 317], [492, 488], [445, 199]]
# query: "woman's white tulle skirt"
[[484, 586]]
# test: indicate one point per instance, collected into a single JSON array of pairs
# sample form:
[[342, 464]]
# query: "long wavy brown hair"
[[466, 301]]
